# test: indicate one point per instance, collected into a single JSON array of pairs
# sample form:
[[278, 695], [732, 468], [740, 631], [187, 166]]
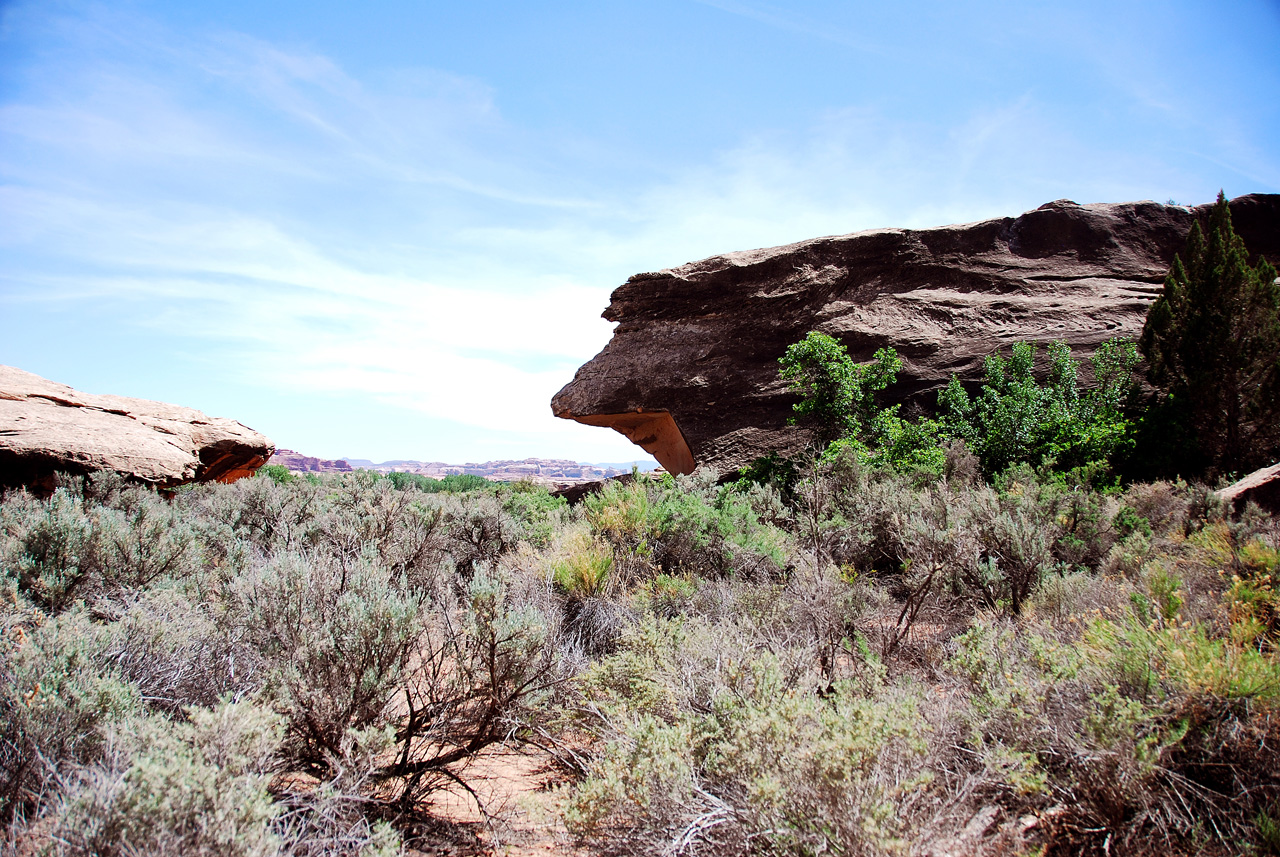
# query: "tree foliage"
[[1016, 419], [1212, 340], [839, 395], [840, 405]]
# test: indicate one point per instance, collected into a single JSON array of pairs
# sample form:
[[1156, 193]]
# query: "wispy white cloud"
[[303, 321], [790, 21], [394, 235]]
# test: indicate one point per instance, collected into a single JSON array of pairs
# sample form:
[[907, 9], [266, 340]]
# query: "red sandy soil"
[[518, 787]]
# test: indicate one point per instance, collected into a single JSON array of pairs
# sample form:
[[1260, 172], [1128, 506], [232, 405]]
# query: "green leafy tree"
[[905, 445], [840, 406], [1016, 419], [838, 395], [1212, 340]]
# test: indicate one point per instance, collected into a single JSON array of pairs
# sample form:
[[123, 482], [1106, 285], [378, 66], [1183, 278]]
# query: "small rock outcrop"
[[691, 374], [46, 427], [1260, 486]]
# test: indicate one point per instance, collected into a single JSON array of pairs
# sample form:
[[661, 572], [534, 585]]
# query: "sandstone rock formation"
[[46, 427], [1260, 486], [691, 373]]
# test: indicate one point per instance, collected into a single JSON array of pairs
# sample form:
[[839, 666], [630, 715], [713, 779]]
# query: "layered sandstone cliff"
[[691, 374], [46, 427], [299, 463]]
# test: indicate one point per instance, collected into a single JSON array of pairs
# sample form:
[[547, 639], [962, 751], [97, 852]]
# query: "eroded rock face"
[[46, 427], [1260, 486], [691, 373]]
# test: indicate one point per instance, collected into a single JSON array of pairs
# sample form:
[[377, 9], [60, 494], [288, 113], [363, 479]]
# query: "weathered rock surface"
[[46, 427], [691, 373], [1260, 486]]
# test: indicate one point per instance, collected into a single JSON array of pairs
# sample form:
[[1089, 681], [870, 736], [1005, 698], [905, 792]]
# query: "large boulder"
[[1260, 486], [46, 427], [691, 374]]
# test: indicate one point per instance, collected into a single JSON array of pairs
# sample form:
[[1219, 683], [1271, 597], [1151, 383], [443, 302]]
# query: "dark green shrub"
[[773, 469], [1211, 340], [1127, 520], [1085, 529]]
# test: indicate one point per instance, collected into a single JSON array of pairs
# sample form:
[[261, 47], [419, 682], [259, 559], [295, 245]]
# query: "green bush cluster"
[[1014, 418]]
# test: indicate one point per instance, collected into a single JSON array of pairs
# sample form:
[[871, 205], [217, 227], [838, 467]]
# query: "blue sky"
[[387, 230]]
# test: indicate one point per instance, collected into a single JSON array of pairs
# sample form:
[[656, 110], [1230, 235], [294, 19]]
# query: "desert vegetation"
[[872, 662], [970, 632]]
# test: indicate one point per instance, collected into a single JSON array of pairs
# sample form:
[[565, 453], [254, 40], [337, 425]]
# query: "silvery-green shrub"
[[335, 641], [177, 788], [58, 702]]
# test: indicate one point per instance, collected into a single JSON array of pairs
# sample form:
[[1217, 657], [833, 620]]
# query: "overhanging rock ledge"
[[691, 374], [47, 427]]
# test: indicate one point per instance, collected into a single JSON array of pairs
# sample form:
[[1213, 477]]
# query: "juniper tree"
[[1212, 341]]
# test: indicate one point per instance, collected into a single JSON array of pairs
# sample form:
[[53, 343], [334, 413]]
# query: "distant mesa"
[[46, 427], [552, 472], [691, 374], [299, 463]]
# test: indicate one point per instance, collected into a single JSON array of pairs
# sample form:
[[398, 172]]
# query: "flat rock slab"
[[1260, 486], [691, 374], [46, 427]]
